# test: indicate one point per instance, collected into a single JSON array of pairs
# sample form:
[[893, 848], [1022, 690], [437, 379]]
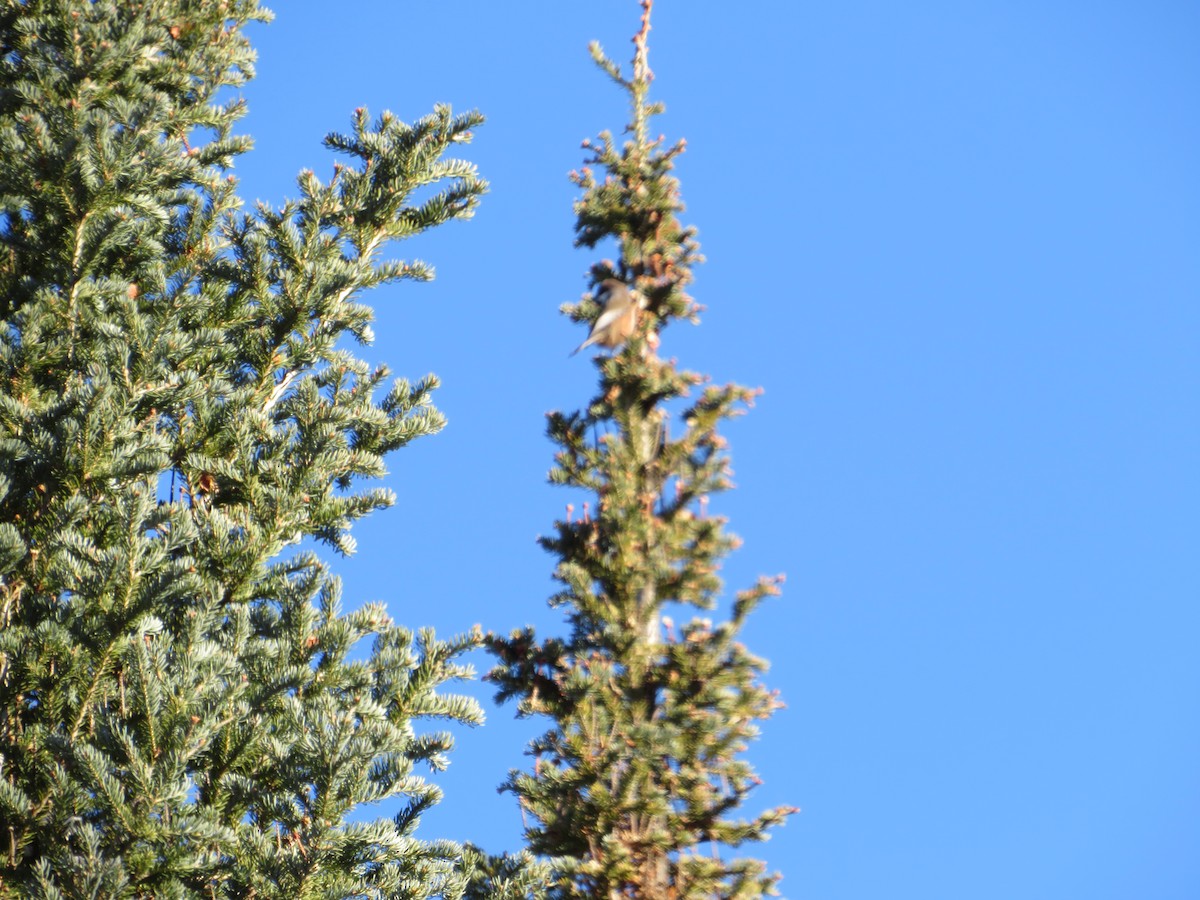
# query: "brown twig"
[[641, 66]]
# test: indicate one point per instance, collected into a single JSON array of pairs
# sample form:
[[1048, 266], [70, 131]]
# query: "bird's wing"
[[607, 318]]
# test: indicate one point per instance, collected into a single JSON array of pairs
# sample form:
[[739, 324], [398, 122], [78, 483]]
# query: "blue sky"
[[958, 244]]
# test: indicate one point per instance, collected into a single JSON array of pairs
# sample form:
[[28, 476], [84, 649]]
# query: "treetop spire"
[[633, 785]]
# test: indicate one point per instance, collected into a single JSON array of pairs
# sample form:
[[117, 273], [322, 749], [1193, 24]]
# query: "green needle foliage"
[[633, 789], [183, 710]]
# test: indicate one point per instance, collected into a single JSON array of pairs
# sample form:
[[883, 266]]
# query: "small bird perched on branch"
[[619, 319]]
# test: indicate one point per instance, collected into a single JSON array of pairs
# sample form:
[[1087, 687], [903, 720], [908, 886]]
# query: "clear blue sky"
[[959, 246]]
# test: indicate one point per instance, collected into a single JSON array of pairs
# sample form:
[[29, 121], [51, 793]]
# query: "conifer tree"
[[181, 713], [633, 786]]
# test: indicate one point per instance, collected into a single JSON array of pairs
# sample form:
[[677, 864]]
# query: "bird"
[[619, 319]]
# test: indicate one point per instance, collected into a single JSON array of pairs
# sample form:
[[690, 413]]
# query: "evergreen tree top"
[[634, 784], [183, 712]]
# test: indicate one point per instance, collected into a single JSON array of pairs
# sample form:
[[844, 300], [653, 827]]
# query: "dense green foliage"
[[181, 712], [185, 709], [633, 787]]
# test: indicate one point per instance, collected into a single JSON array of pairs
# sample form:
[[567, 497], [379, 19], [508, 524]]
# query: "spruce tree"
[[633, 786], [183, 712]]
